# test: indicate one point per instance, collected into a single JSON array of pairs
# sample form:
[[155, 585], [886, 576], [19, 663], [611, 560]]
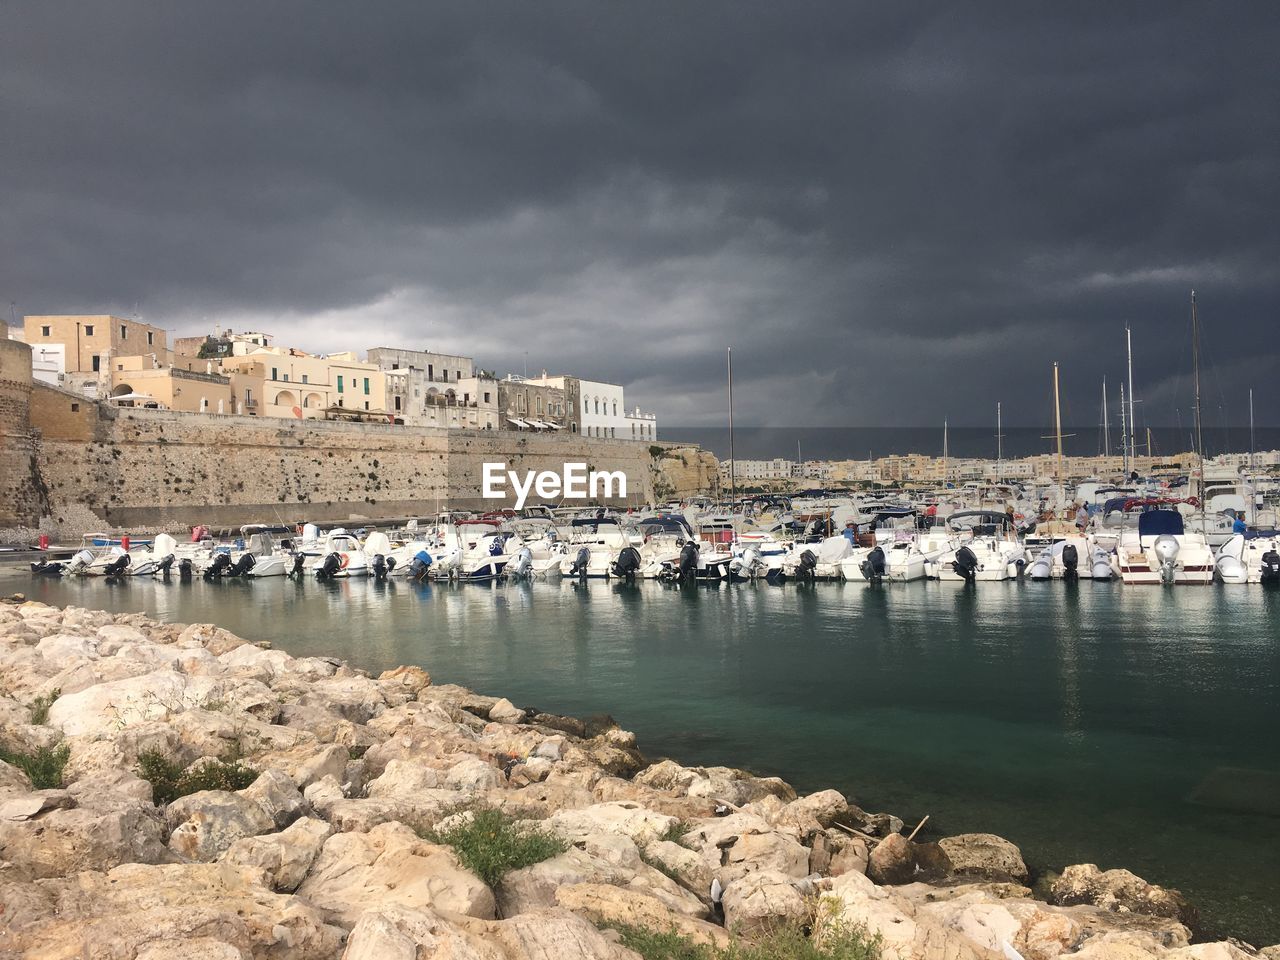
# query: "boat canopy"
[[670, 524], [967, 519], [1158, 523]]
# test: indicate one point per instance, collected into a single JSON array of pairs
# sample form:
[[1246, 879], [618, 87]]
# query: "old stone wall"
[[21, 496], [148, 469]]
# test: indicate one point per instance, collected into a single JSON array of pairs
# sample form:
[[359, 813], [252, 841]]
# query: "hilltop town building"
[[436, 389]]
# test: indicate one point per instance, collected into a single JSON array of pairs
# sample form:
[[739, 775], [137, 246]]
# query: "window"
[[615, 408], [75, 408], [486, 396], [151, 339], [539, 405], [430, 371], [366, 404], [97, 363], [397, 403], [275, 373], [597, 404], [395, 366], [285, 378], [586, 405], [305, 378], [88, 329], [366, 390], [124, 335], [339, 387], [119, 366], [44, 332]]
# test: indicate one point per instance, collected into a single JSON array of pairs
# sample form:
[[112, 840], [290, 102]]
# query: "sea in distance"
[[1128, 727]]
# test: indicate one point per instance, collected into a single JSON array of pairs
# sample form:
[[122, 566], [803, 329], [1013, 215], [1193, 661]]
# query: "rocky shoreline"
[[176, 791]]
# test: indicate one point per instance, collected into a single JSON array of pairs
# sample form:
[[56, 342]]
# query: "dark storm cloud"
[[893, 212]]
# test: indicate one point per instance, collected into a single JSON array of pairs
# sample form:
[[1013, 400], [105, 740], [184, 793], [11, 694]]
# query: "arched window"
[[597, 404], [586, 405], [615, 408]]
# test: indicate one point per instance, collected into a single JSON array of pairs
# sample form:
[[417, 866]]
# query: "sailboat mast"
[[1251, 467], [944, 452], [1124, 436], [999, 445], [1057, 429], [1106, 424], [733, 486], [1133, 422], [1195, 375]]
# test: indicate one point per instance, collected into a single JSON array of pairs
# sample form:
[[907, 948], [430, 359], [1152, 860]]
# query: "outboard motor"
[[1042, 566], [744, 566], [689, 560], [420, 565], [391, 565], [299, 562], [627, 564], [1271, 568], [580, 563], [219, 568], [80, 561], [162, 568], [379, 567], [521, 565], [807, 568], [185, 568], [1166, 548], [242, 566], [1070, 562], [1102, 569], [118, 566], [966, 564], [330, 567], [873, 568]]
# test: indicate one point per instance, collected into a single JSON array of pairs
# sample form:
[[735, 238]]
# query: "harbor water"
[[1128, 727]]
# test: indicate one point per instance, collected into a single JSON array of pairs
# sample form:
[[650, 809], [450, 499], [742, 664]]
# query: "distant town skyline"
[[892, 213]]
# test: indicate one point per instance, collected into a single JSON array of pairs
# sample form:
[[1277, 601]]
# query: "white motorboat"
[[817, 561], [1072, 556], [1159, 549], [593, 545], [899, 560], [341, 555], [1249, 559]]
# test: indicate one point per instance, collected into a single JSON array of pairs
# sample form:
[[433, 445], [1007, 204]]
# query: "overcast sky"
[[892, 212]]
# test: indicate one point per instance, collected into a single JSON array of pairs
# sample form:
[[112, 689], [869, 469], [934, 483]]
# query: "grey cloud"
[[892, 212]]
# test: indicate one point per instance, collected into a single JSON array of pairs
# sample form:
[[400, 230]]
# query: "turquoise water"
[[1077, 721]]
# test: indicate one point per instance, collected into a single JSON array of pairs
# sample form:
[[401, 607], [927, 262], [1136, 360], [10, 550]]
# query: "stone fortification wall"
[[21, 496], [146, 469]]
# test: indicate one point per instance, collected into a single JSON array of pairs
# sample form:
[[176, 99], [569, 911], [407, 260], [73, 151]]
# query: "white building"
[[49, 363], [748, 470], [600, 409]]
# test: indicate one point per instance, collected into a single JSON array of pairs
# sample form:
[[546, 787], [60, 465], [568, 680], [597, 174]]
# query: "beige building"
[[90, 340], [274, 382], [171, 388], [530, 405], [436, 389]]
